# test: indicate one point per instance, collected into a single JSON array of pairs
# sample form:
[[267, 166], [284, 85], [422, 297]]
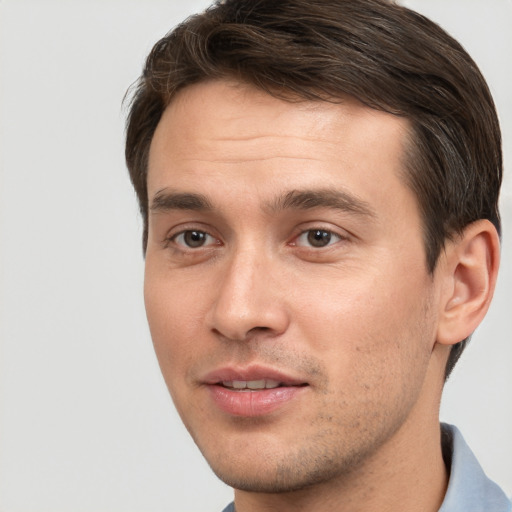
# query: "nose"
[[249, 299]]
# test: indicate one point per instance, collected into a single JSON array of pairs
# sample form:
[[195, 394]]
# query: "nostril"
[[241, 319], [250, 334], [255, 330]]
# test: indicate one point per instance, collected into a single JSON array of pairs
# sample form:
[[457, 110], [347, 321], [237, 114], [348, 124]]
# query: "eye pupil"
[[194, 238], [319, 238]]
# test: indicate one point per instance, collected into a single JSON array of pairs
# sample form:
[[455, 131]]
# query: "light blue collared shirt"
[[469, 489]]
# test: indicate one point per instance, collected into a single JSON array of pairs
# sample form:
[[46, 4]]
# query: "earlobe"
[[470, 273]]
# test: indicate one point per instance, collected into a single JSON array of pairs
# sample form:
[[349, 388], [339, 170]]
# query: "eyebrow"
[[322, 198], [166, 200]]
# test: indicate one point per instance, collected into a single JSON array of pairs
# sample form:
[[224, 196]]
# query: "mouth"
[[253, 392], [251, 385]]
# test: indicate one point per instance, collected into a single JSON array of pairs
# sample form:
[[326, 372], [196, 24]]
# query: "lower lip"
[[253, 403]]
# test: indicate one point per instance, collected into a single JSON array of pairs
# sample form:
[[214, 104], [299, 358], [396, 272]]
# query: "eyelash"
[[202, 233], [322, 235]]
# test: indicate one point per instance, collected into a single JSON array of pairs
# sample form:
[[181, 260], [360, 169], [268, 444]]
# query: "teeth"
[[256, 384], [251, 384]]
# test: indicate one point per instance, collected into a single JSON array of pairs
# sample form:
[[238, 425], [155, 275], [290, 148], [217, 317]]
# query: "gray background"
[[85, 420]]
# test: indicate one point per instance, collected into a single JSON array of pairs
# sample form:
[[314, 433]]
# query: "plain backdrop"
[[86, 424]]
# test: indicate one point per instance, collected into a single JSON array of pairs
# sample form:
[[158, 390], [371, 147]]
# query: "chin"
[[272, 473], [282, 480]]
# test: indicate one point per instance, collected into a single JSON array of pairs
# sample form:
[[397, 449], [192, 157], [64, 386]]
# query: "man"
[[318, 181]]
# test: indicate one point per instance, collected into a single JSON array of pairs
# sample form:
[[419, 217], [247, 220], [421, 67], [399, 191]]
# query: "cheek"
[[374, 329], [174, 317]]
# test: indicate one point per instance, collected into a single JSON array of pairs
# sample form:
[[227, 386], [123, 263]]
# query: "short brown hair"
[[388, 57]]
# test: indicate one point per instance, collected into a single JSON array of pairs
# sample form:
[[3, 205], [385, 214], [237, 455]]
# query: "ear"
[[469, 274]]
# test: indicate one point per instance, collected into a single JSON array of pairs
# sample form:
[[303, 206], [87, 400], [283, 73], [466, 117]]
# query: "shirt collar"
[[469, 489]]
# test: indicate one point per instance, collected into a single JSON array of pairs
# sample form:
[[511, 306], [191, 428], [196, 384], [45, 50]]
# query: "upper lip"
[[251, 373]]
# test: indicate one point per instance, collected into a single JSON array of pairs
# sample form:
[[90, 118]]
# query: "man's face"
[[286, 288]]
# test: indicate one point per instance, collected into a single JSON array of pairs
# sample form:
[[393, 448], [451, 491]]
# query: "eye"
[[317, 238], [193, 239]]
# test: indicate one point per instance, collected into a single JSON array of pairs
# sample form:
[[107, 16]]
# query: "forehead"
[[236, 111], [225, 134]]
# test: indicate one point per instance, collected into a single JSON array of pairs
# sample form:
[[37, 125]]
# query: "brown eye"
[[193, 239], [319, 237]]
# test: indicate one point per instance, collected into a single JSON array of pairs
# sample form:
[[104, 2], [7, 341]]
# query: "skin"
[[359, 322]]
